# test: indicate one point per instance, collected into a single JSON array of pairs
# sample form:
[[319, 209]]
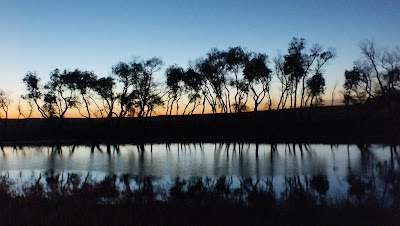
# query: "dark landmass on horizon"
[[328, 125]]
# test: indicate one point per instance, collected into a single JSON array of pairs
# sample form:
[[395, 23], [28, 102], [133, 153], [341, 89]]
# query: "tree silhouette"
[[370, 63], [316, 84], [31, 81], [392, 80], [212, 69], [375, 77], [81, 82], [298, 64], [257, 72], [140, 94], [104, 87], [193, 83], [175, 87], [145, 91], [225, 80], [58, 98], [382, 72], [5, 102], [357, 87], [316, 87], [293, 65], [285, 81], [20, 110], [125, 74], [235, 61]]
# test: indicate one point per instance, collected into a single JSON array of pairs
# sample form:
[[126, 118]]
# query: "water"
[[165, 162]]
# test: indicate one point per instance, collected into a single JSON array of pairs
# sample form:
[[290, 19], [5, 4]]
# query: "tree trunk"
[[87, 106], [295, 94]]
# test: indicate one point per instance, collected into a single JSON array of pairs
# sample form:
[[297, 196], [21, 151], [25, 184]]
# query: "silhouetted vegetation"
[[125, 199], [374, 80], [224, 81], [5, 102]]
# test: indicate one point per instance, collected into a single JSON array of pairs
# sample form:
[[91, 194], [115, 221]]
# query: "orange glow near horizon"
[[73, 113]]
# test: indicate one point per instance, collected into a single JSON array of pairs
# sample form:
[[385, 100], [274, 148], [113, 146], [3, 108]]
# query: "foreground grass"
[[197, 201]]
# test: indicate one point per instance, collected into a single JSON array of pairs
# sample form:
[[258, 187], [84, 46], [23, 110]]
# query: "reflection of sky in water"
[[207, 160]]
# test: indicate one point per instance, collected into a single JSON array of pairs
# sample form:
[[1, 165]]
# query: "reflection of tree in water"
[[141, 160], [366, 156], [389, 174], [359, 183], [368, 172], [374, 177]]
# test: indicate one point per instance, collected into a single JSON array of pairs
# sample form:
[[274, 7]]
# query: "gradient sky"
[[41, 35]]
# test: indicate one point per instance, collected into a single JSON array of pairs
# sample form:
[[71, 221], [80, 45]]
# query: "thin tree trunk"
[[87, 105], [295, 95]]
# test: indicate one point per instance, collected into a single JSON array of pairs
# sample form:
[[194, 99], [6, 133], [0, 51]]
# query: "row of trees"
[[98, 96], [227, 81]]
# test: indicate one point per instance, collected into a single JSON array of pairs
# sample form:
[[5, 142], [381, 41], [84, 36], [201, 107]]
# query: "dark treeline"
[[224, 81]]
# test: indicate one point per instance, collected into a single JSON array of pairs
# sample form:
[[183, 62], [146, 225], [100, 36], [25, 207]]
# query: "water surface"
[[367, 163]]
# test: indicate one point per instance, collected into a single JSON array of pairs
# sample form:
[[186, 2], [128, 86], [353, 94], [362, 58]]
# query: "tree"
[[175, 87], [235, 61], [145, 91], [31, 81], [357, 87], [316, 84], [293, 65], [298, 65], [316, 88], [333, 93], [125, 74], [370, 63], [58, 98], [382, 68], [285, 81], [5, 102], [212, 71], [81, 82], [257, 72], [104, 87], [375, 75], [20, 110], [222, 73], [140, 94], [193, 83]]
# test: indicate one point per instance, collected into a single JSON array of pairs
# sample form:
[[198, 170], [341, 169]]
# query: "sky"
[[41, 35]]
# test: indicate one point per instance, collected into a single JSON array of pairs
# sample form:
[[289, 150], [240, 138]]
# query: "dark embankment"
[[315, 125]]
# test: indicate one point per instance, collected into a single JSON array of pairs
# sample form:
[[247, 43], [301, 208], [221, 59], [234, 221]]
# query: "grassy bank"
[[309, 125]]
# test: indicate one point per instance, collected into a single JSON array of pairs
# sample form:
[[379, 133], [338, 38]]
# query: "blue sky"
[[39, 35]]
